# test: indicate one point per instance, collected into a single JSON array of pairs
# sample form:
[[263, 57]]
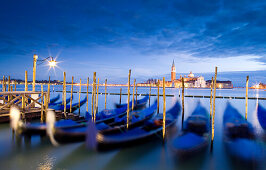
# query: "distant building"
[[259, 86], [220, 84], [190, 81]]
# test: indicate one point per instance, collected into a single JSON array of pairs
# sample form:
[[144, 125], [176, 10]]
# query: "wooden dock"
[[29, 105]]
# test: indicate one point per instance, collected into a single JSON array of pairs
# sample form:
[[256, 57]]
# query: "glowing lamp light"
[[52, 63], [220, 86]]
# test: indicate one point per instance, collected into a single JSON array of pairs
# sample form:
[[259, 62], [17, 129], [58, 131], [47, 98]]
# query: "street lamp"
[[51, 62]]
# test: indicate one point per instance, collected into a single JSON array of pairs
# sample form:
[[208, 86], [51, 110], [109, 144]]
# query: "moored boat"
[[151, 129], [195, 135], [239, 137], [261, 113], [119, 125], [138, 104], [53, 100]]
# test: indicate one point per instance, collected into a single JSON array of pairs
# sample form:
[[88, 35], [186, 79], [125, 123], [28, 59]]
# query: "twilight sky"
[[111, 36]]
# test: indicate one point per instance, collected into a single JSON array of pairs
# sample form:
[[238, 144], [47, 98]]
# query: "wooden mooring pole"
[[164, 108], [213, 110], [64, 94], [183, 103], [3, 84], [105, 91], [79, 93], [15, 85], [71, 95], [92, 96], [211, 100], [120, 95], [9, 88], [136, 89], [158, 95], [88, 81], [95, 94], [97, 100], [48, 89], [246, 115], [128, 97], [42, 117], [26, 81], [133, 94], [150, 96]]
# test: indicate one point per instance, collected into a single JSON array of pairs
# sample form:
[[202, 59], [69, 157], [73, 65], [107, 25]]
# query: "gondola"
[[75, 106], [150, 130], [262, 116], [53, 100], [56, 104], [119, 125], [107, 115], [139, 104], [239, 137], [195, 135]]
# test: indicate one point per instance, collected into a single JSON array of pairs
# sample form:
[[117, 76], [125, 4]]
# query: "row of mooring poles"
[[10, 88]]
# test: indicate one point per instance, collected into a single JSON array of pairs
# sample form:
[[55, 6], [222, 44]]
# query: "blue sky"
[[110, 37]]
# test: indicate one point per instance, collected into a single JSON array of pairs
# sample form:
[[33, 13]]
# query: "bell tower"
[[173, 72]]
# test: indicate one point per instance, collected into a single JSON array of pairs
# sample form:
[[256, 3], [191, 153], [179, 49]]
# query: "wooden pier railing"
[[22, 99], [26, 101]]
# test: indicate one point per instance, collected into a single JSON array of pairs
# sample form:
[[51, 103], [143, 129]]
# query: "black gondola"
[[53, 100], [139, 104], [151, 129], [239, 137], [119, 125], [195, 136], [107, 116]]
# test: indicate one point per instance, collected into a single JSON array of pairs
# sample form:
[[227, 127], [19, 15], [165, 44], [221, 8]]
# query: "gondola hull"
[[151, 129], [195, 135], [262, 116], [239, 138], [78, 134]]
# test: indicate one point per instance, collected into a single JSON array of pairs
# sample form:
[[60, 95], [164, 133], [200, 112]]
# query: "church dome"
[[191, 74]]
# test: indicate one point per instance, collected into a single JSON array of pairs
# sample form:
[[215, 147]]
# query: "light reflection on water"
[[38, 153]]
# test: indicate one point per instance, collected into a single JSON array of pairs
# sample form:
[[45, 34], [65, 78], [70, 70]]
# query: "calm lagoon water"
[[37, 153]]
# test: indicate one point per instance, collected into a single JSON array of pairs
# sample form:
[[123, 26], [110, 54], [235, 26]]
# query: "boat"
[[55, 104], [75, 106], [107, 115], [119, 125], [195, 135], [53, 100], [150, 130], [40, 128], [262, 116], [239, 137], [138, 104]]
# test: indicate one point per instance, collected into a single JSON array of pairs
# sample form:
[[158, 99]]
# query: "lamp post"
[[51, 61], [35, 58]]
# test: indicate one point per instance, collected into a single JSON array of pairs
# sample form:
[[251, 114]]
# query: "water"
[[37, 153]]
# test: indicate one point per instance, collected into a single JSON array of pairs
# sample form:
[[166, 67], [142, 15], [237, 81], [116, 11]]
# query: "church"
[[190, 81]]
